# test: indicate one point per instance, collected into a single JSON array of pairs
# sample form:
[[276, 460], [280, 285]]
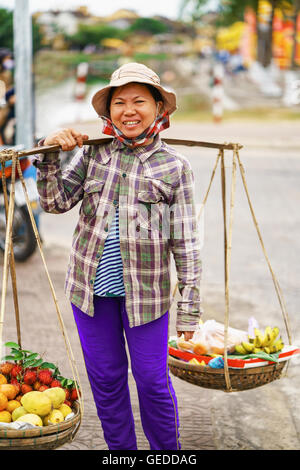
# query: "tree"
[[7, 34], [149, 25], [94, 34]]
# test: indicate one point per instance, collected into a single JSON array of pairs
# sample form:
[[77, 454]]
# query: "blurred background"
[[225, 58]]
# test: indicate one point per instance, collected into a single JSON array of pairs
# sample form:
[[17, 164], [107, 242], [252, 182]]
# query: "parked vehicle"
[[24, 240]]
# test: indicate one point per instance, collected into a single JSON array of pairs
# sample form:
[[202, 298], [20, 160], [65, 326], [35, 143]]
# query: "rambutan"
[[6, 368], [43, 387], [45, 376], [25, 388], [30, 377], [68, 402], [36, 385], [55, 383], [68, 393], [16, 371], [74, 394], [16, 384]]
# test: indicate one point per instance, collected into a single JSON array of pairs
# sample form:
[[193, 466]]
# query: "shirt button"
[[92, 281], [115, 202], [106, 229], [98, 255], [124, 175]]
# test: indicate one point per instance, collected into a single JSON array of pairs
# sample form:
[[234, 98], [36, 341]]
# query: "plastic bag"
[[209, 339]]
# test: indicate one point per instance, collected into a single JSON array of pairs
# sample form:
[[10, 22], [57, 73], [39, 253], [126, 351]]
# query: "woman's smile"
[[132, 109]]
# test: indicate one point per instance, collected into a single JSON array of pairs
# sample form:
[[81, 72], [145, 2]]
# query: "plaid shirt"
[[154, 188]]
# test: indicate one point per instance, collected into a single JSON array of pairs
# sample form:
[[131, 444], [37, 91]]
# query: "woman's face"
[[133, 109]]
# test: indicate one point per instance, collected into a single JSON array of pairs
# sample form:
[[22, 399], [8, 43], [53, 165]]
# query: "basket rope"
[[8, 248]]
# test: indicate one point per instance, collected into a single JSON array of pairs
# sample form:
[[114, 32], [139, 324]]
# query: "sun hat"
[[133, 72]]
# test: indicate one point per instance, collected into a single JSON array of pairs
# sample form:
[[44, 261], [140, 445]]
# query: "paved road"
[[263, 418]]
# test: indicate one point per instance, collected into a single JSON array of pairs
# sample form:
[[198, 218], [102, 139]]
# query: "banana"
[[248, 346], [267, 336], [240, 349], [257, 350], [267, 350], [275, 332], [279, 344], [258, 338]]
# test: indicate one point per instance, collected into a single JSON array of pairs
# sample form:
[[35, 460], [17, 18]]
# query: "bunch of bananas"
[[266, 342]]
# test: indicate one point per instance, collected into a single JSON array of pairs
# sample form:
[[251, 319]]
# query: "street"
[[266, 418]]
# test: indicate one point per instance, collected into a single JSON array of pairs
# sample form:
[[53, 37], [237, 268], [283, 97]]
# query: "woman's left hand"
[[187, 334]]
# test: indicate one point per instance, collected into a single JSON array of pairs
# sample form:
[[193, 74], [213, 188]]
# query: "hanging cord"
[[11, 258], [276, 284], [227, 254]]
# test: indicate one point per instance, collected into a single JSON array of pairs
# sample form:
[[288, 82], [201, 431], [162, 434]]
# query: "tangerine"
[[3, 379], [9, 390], [5, 417], [12, 405], [3, 401]]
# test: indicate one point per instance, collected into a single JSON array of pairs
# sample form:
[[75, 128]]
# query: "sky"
[[167, 8]]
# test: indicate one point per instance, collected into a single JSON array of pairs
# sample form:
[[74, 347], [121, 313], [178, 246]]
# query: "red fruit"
[[36, 385], [6, 368], [16, 384], [29, 377], [45, 376], [55, 383], [43, 387], [68, 393], [74, 394], [67, 402], [25, 388], [16, 371]]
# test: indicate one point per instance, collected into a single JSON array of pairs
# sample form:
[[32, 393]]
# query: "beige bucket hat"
[[133, 72]]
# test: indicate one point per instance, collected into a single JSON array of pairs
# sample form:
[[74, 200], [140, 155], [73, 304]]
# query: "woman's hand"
[[67, 138], [187, 334]]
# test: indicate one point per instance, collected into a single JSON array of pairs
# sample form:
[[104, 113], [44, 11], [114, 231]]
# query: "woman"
[[118, 278]]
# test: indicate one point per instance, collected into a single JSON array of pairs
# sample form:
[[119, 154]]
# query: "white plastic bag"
[[209, 339]]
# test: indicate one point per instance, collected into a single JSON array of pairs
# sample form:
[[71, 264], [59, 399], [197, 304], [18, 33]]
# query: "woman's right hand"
[[67, 138]]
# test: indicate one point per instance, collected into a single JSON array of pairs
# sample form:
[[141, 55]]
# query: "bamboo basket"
[[44, 437], [240, 379], [55, 435], [234, 379]]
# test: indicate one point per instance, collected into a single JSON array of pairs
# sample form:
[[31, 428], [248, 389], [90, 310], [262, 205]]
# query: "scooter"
[[24, 241]]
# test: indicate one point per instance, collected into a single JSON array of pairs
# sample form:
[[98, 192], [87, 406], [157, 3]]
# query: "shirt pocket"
[[152, 208], [91, 197]]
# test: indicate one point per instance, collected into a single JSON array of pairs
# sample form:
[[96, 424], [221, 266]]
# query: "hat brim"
[[99, 100]]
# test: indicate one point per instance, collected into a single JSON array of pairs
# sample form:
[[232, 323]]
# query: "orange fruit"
[[12, 405], [9, 390], [3, 379], [3, 401], [5, 417]]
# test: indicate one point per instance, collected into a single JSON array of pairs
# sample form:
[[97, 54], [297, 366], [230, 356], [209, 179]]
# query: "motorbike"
[[24, 240]]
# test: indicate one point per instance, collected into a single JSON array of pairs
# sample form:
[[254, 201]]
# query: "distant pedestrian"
[[118, 278]]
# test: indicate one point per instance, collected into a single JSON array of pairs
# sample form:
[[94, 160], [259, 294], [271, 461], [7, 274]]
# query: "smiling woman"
[[118, 280]]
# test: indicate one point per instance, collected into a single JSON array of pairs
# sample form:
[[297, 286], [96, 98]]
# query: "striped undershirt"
[[109, 274]]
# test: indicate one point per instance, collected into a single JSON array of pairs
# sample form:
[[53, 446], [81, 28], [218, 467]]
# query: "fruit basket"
[[226, 378], [240, 379], [39, 438], [39, 408]]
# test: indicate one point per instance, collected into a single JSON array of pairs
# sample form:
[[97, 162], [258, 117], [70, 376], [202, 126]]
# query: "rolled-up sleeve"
[[185, 246], [59, 190]]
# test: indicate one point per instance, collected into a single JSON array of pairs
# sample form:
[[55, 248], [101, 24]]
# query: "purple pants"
[[103, 345]]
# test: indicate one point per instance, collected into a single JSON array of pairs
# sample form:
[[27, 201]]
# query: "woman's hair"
[[154, 92]]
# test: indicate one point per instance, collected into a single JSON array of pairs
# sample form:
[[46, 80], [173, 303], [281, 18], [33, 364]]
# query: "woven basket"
[[240, 379], [41, 438]]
